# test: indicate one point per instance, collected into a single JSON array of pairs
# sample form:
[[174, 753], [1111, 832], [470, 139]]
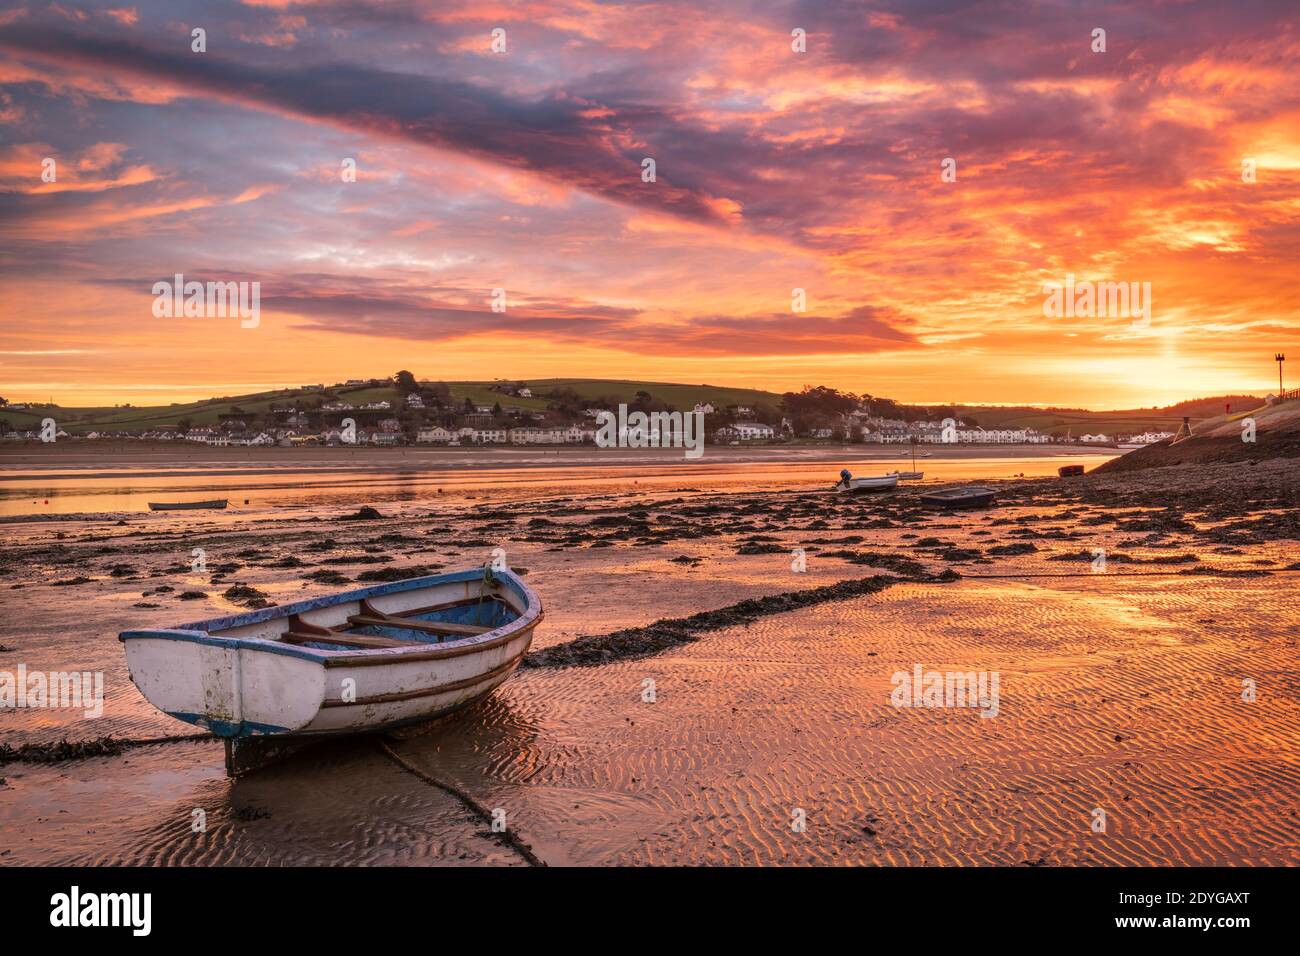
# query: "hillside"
[[1219, 439], [1058, 421], [77, 420], [677, 395]]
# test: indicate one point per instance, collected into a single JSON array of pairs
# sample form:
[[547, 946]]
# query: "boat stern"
[[225, 685]]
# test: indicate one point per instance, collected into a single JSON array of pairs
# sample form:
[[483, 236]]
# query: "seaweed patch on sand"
[[64, 749], [637, 642]]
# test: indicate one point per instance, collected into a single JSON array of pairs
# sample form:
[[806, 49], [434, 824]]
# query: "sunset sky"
[[775, 170]]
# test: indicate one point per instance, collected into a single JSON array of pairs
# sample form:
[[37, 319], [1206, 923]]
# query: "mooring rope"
[[480, 811]]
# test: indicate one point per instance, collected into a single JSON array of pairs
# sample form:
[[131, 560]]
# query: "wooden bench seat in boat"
[[341, 639], [371, 616], [301, 632]]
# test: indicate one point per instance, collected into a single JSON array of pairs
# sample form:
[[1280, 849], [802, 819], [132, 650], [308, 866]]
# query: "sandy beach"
[[1120, 690]]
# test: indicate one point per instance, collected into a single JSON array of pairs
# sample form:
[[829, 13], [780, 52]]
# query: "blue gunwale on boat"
[[198, 632]]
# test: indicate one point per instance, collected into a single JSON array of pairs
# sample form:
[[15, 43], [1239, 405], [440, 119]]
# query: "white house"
[[490, 436], [705, 407], [753, 431], [435, 435], [532, 435]]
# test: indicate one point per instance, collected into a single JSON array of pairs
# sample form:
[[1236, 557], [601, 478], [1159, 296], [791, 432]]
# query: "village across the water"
[[426, 413]]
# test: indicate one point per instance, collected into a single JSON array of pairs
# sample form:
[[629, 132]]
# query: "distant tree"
[[817, 404], [406, 383], [468, 406], [496, 408], [3, 402], [183, 425]]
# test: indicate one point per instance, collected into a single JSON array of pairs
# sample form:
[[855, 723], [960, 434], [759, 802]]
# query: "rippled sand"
[[1119, 691], [1112, 696]]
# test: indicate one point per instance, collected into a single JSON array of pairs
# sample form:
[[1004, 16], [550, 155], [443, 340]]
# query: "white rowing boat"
[[861, 485], [372, 659]]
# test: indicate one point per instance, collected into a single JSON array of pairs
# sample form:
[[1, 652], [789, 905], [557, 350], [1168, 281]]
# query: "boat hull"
[[238, 679], [187, 505], [981, 498], [858, 486]]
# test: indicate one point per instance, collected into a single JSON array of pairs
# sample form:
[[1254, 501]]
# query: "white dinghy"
[[373, 659], [850, 485]]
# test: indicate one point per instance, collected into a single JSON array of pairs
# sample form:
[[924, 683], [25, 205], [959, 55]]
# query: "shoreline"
[[131, 459], [122, 489]]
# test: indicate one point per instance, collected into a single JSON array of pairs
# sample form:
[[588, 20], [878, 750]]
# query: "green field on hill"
[[682, 397], [143, 418]]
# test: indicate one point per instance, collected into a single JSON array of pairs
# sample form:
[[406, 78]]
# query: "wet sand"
[[1120, 691]]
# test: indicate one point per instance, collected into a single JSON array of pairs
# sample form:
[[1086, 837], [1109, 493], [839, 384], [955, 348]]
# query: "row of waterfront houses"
[[934, 433], [886, 431], [526, 435]]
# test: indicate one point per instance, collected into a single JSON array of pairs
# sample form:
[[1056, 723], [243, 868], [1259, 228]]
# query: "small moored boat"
[[973, 496], [187, 505], [1070, 471], [849, 484], [912, 475], [378, 658]]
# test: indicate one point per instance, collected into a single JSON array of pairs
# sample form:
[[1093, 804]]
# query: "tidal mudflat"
[[693, 696]]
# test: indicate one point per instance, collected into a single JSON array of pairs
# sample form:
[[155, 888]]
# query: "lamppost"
[[1279, 358]]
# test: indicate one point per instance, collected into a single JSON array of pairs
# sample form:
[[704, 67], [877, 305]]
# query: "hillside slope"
[[1058, 421], [1219, 439]]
